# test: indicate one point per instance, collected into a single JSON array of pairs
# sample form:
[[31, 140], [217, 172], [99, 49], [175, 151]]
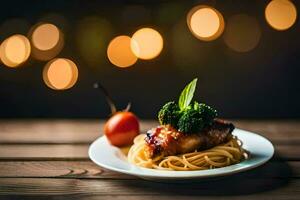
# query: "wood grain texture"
[[225, 186], [89, 170], [57, 169], [55, 131], [50, 131], [278, 131], [270, 195], [41, 159], [40, 152]]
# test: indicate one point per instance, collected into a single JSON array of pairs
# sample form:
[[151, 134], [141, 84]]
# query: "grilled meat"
[[167, 141]]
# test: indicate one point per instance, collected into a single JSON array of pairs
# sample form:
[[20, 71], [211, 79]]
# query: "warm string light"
[[187, 54], [45, 37], [146, 43], [205, 22], [47, 41], [242, 33], [56, 19], [281, 14], [60, 74], [15, 50], [119, 52], [92, 37]]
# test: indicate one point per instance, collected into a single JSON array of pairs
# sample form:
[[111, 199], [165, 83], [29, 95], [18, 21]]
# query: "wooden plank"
[[39, 152], [80, 152], [262, 196], [87, 170], [287, 152], [57, 169], [267, 188], [50, 131], [55, 131], [258, 196], [278, 131], [85, 131], [269, 125]]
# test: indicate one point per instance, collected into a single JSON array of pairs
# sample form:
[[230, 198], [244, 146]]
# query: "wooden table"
[[48, 160]]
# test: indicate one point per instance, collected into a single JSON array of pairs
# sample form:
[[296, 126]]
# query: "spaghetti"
[[219, 156]]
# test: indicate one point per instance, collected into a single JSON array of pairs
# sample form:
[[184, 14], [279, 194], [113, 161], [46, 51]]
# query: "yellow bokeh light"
[[60, 74], [187, 53], [15, 50], [242, 33], [206, 23], [281, 14], [45, 36], [47, 41], [119, 52], [92, 37], [146, 43]]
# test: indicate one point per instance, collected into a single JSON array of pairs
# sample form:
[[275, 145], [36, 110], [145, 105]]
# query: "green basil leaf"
[[187, 94]]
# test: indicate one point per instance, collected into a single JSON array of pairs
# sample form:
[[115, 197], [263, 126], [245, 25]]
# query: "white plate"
[[110, 157]]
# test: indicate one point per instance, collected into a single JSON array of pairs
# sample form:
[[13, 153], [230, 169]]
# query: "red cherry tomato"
[[122, 128]]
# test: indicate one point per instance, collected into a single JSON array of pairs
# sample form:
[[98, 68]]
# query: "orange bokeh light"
[[15, 50], [60, 74], [47, 41], [146, 43], [242, 33], [45, 36], [206, 23], [281, 14], [119, 52]]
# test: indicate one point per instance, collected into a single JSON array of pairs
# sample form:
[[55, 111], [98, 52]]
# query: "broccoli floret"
[[169, 114], [195, 117], [190, 122], [207, 113]]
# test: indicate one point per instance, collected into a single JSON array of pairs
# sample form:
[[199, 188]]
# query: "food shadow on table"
[[270, 176]]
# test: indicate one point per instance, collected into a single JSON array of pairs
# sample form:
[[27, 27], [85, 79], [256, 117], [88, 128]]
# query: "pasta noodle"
[[218, 156]]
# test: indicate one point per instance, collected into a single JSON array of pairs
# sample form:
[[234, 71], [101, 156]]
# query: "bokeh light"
[[187, 53], [119, 52], [92, 37], [206, 23], [281, 14], [146, 43], [15, 50], [242, 33], [57, 19], [60, 74], [45, 37], [47, 41]]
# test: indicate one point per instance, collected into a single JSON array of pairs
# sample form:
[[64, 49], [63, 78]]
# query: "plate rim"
[[183, 174]]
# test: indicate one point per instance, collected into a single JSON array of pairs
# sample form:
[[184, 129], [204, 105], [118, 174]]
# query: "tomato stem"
[[107, 97], [128, 107]]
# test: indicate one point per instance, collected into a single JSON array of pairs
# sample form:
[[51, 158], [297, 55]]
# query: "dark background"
[[262, 83]]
